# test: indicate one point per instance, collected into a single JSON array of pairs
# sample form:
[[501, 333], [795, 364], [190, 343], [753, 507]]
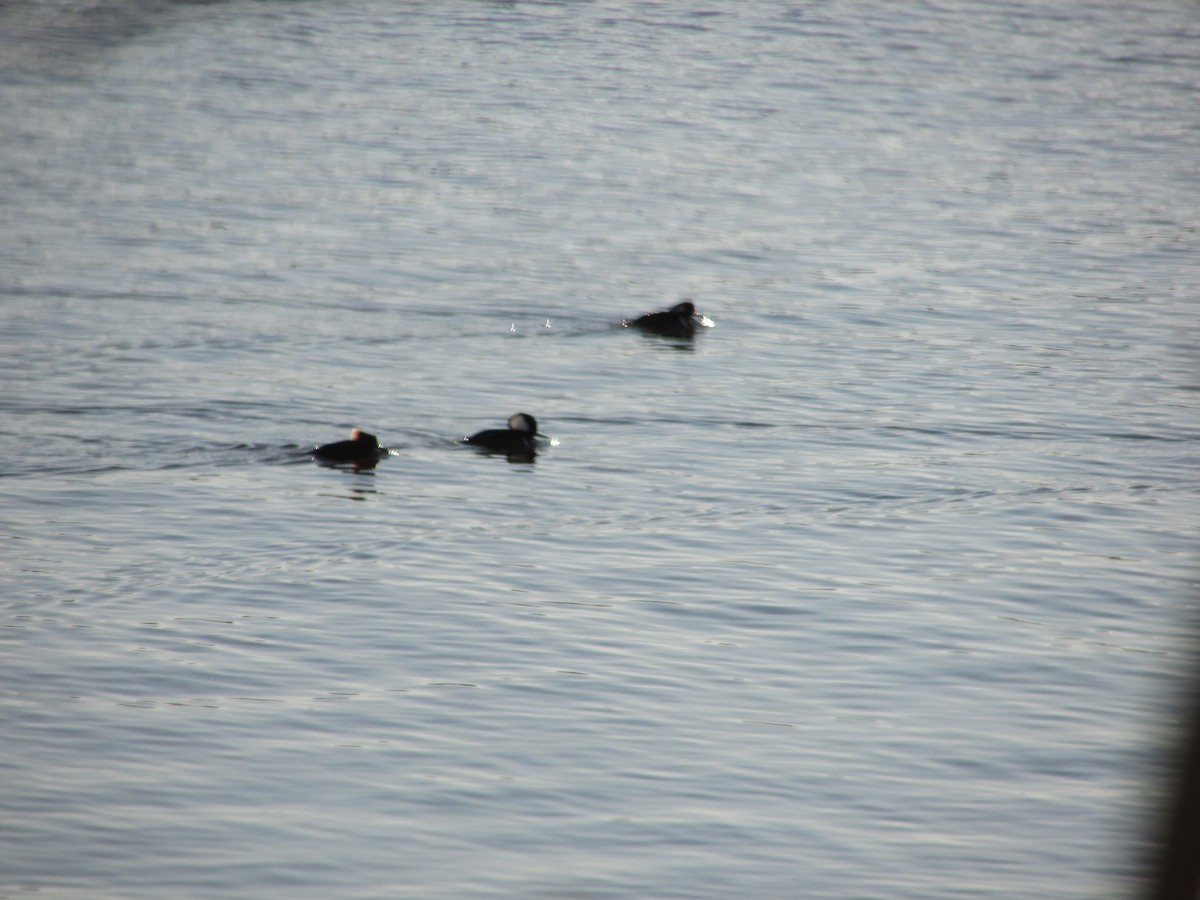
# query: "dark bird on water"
[[681, 320], [519, 438], [361, 447]]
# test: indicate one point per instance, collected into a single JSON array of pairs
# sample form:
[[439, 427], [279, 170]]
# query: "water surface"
[[880, 587]]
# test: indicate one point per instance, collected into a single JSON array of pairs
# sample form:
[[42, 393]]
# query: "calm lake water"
[[882, 587]]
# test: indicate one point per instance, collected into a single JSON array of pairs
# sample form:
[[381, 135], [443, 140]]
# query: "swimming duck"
[[519, 438], [361, 447], [681, 320]]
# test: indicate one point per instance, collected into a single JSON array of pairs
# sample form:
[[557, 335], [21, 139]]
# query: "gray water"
[[881, 587]]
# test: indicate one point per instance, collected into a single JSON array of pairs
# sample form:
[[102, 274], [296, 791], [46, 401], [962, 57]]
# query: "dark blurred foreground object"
[[1176, 870]]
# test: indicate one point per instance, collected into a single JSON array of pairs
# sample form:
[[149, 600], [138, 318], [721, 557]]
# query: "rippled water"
[[880, 587]]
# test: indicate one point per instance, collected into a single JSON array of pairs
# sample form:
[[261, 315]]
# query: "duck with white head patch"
[[519, 438], [361, 447]]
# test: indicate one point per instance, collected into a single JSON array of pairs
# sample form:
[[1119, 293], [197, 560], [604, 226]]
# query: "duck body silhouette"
[[361, 447], [518, 439], [680, 321]]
